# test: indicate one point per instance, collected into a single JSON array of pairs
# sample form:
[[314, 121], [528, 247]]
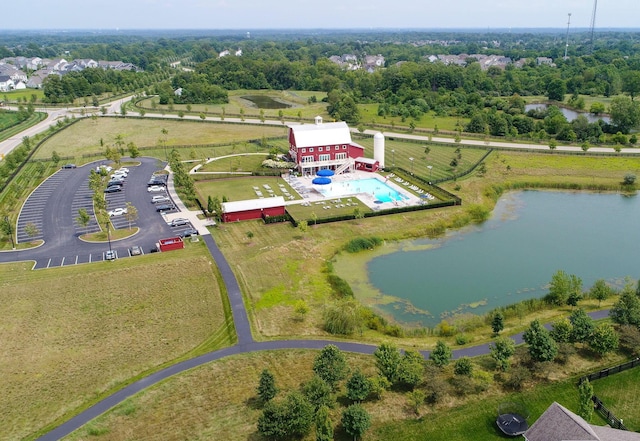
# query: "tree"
[[629, 179], [497, 322], [388, 359], [501, 351], [355, 420], [541, 345], [582, 326], [133, 150], [358, 387], [31, 229], [556, 89], [132, 213], [625, 113], [626, 311], [83, 217], [55, 157], [561, 330], [585, 404], [318, 393], [303, 226], [324, 427], [410, 369], [600, 291], [604, 339], [629, 337], [330, 365], [7, 229], [563, 285], [290, 418], [441, 355], [301, 309], [597, 108], [463, 366], [267, 389], [416, 400]]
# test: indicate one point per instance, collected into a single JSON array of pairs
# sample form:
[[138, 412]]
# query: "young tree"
[[388, 359], [626, 311], [301, 309], [31, 229], [318, 393], [358, 387], [416, 400], [582, 326], [585, 405], [355, 420], [600, 291], [410, 369], [441, 355], [463, 366], [541, 345], [497, 322], [324, 426], [330, 365], [559, 288], [501, 351], [132, 213], [267, 389], [561, 330], [55, 157], [83, 217], [134, 152], [604, 339], [290, 418]]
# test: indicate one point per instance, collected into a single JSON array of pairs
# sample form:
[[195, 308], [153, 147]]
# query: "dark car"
[[113, 188], [188, 233], [69, 166], [156, 182], [115, 182], [164, 207]]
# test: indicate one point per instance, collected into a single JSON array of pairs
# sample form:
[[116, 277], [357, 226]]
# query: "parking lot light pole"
[[393, 157], [411, 159], [430, 167], [109, 236]]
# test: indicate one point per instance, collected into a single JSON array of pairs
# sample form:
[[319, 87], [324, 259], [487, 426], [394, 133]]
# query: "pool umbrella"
[[325, 172], [321, 181]]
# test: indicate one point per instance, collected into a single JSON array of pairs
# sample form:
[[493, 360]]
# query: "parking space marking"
[[48, 263]]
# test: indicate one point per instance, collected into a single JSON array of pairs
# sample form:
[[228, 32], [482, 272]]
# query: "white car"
[[155, 189], [159, 198], [106, 168], [119, 174], [118, 212], [123, 169], [179, 222]]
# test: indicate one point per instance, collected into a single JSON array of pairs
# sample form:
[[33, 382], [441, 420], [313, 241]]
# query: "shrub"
[[342, 318], [462, 339], [463, 366], [518, 376], [340, 286], [362, 244]]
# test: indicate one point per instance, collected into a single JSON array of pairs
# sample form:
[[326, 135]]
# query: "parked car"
[[123, 169], [157, 199], [110, 255], [179, 221], [69, 166], [135, 250], [164, 207], [188, 232], [120, 175], [103, 169], [113, 188], [155, 189], [115, 182], [153, 181], [117, 212]]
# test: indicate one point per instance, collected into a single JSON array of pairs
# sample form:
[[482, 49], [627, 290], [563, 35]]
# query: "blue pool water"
[[381, 191]]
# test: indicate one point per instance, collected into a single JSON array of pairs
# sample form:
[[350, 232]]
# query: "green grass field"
[[73, 334], [619, 393]]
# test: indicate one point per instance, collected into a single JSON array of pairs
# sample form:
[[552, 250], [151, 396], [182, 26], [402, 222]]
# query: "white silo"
[[378, 148]]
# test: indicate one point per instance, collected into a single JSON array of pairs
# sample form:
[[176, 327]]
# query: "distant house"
[[6, 83], [557, 423], [224, 53], [544, 61]]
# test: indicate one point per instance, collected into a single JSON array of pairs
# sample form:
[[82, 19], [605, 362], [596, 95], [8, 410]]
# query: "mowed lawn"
[[84, 136], [620, 393], [71, 334]]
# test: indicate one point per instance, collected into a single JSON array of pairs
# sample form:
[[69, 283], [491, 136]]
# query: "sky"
[[319, 14]]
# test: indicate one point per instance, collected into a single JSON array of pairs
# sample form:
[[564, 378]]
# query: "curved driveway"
[[61, 243]]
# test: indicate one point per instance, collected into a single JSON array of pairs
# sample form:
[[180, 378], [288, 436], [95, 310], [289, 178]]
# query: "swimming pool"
[[378, 189]]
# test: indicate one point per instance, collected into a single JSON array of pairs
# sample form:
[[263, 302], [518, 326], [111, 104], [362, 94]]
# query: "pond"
[[511, 257], [266, 102], [569, 114]]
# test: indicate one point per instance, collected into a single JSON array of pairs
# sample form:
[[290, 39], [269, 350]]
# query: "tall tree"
[[626, 311], [330, 365], [625, 113], [541, 345], [582, 326], [292, 417], [585, 409], [83, 217], [497, 322], [410, 369], [324, 426], [501, 350], [318, 392], [358, 387], [604, 339], [600, 291]]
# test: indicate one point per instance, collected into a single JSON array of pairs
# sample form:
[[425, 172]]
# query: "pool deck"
[[307, 190]]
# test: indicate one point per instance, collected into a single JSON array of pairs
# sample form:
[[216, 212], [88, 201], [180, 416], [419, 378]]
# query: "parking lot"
[[52, 213]]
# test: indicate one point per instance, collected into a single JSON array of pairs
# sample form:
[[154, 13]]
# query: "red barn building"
[[321, 145], [252, 209]]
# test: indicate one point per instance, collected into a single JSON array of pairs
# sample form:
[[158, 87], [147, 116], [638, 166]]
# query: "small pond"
[[568, 113], [266, 102], [510, 258]]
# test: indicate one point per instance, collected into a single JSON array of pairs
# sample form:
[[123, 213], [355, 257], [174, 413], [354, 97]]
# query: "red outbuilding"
[[171, 243], [252, 209]]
